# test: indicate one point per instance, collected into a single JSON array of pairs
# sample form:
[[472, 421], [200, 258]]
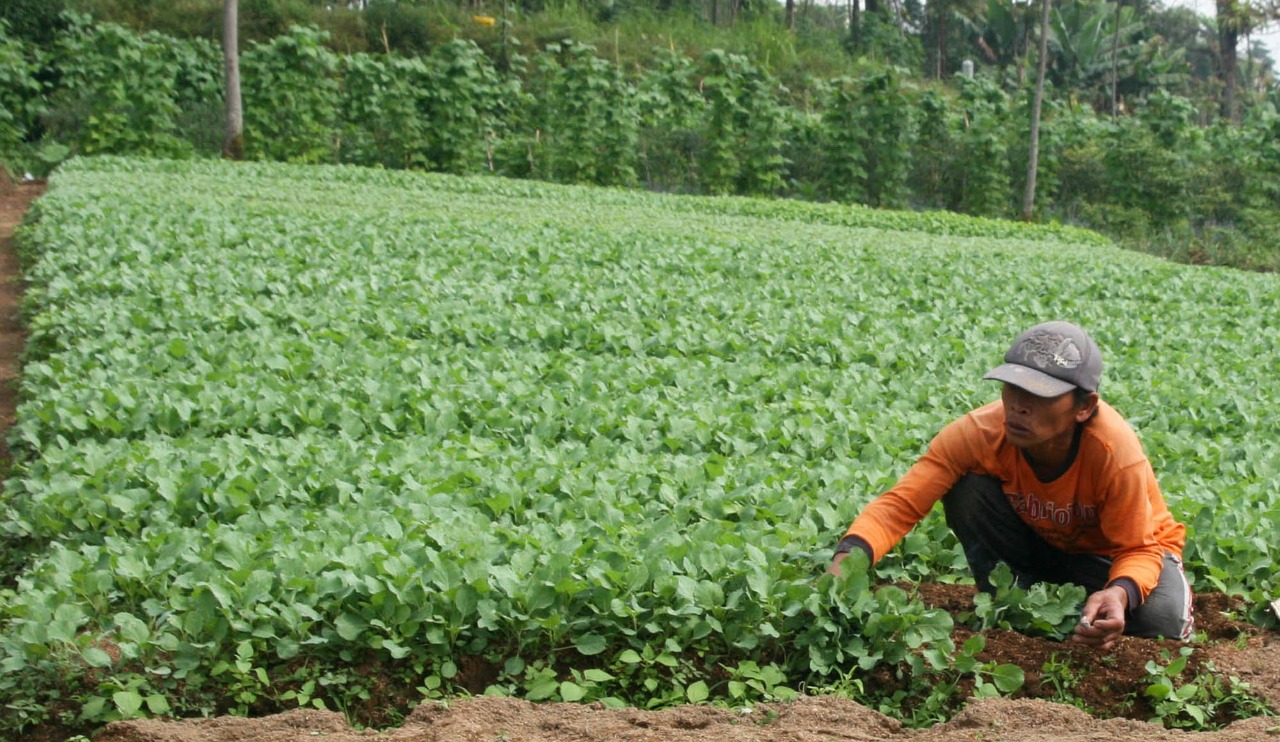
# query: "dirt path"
[[1235, 649], [12, 335]]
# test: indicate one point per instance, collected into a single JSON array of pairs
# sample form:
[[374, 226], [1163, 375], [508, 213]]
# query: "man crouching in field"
[[1052, 481]]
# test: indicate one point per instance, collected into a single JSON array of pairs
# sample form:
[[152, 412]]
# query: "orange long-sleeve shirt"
[[1107, 502]]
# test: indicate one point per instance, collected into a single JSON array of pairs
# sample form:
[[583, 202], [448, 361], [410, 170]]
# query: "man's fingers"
[[1100, 632], [1106, 641], [1108, 625]]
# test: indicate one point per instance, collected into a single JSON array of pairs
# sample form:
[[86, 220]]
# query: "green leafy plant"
[[117, 91], [744, 123], [671, 112], [1062, 676], [1206, 701], [1041, 609], [381, 109], [21, 101], [982, 156], [867, 138], [295, 73], [989, 678], [587, 119]]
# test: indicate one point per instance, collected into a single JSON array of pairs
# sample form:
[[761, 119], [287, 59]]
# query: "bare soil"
[[1105, 683], [14, 200]]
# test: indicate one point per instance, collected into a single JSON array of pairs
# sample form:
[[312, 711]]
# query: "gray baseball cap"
[[1051, 359]]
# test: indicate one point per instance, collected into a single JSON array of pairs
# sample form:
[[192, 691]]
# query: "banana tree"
[[1092, 42]]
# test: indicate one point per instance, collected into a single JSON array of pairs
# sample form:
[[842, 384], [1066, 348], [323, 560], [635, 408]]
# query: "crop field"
[[560, 443]]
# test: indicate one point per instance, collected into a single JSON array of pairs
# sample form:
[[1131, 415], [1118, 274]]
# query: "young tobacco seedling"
[[1041, 610]]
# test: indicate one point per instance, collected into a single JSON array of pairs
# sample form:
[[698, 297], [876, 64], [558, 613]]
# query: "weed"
[[1058, 673], [1206, 702]]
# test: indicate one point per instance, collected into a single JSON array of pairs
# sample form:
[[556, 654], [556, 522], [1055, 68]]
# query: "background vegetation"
[[1143, 138]]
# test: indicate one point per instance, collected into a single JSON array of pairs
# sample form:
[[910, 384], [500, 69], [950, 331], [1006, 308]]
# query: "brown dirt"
[[809, 719], [13, 204], [1101, 681]]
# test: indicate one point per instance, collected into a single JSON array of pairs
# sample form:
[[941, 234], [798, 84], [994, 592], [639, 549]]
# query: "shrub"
[[867, 133], [20, 93], [672, 117], [586, 117], [293, 73], [115, 91], [744, 129]]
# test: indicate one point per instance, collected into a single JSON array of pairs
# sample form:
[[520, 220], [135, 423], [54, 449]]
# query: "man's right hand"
[[1102, 620], [850, 545]]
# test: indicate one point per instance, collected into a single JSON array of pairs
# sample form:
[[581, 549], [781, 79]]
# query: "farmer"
[[1053, 482]]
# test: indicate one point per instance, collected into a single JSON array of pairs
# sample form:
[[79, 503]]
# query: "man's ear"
[[1087, 407]]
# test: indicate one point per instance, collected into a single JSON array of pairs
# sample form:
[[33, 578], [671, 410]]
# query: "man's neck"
[[1051, 459]]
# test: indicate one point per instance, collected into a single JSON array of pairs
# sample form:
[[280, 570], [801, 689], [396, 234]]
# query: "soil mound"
[[809, 719]]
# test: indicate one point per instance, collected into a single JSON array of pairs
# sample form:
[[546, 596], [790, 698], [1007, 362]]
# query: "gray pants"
[[991, 532]]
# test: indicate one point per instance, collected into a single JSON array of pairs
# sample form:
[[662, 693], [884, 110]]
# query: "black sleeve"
[[1130, 587], [849, 543]]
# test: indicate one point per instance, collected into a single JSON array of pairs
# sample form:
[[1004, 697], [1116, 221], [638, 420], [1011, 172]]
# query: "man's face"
[[1031, 422]]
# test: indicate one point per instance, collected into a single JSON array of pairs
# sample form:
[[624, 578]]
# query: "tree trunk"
[[1250, 81], [1115, 66], [942, 46], [1025, 49], [791, 15], [1228, 41], [1033, 157], [233, 143], [855, 24]]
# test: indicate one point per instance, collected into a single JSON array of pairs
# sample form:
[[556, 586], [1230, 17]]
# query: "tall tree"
[[1115, 65], [855, 25], [1228, 42], [1033, 156], [233, 143]]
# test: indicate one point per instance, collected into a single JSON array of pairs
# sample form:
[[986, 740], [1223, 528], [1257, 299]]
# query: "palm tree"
[[1236, 18]]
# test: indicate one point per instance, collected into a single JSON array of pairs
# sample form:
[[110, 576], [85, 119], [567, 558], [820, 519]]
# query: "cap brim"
[[1036, 382]]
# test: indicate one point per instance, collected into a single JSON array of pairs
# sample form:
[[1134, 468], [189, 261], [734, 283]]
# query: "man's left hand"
[[1102, 621]]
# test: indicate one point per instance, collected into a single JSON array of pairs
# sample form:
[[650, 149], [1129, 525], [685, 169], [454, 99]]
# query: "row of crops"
[[277, 421]]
